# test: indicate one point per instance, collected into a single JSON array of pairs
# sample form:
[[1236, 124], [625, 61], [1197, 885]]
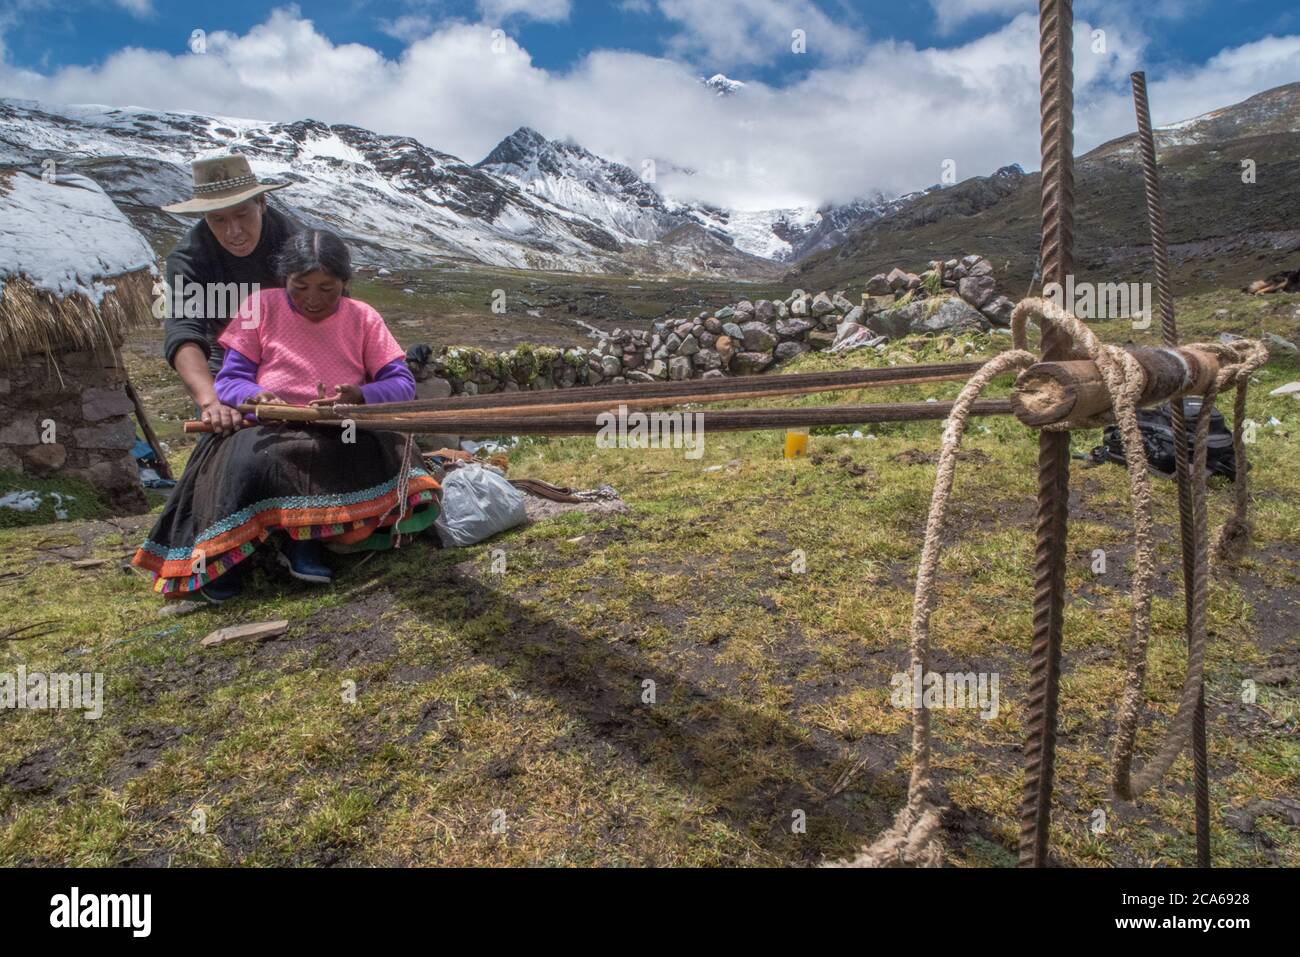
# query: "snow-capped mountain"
[[626, 203], [397, 199], [569, 177], [532, 202], [723, 85]]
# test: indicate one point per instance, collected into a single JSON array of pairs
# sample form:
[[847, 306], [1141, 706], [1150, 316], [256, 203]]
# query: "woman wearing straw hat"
[[212, 270]]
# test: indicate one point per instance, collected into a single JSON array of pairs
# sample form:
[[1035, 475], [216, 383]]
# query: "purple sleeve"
[[393, 383], [237, 380]]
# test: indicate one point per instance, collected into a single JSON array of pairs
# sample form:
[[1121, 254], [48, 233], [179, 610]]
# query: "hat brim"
[[212, 204]]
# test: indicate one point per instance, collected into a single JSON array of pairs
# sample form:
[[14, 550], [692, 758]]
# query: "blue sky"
[[47, 36], [886, 91]]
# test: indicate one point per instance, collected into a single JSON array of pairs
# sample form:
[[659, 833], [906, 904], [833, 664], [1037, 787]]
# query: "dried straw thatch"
[[74, 273], [35, 321]]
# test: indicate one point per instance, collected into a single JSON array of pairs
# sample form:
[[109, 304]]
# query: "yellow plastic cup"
[[796, 443]]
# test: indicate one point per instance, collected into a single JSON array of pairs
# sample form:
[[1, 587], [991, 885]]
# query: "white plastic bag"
[[477, 503]]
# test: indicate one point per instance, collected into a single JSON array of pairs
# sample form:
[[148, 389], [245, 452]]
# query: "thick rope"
[[913, 838]]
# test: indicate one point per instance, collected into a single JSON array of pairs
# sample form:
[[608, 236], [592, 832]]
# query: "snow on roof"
[[65, 235]]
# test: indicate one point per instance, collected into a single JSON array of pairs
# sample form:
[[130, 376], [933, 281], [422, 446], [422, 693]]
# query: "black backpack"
[[1157, 428]]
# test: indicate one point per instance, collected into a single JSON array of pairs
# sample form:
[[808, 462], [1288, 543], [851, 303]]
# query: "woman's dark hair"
[[311, 250]]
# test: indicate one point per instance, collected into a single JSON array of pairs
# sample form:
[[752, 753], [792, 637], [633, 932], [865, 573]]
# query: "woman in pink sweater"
[[308, 343]]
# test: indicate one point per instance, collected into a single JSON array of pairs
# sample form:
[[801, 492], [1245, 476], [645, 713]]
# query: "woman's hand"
[[343, 395], [223, 419]]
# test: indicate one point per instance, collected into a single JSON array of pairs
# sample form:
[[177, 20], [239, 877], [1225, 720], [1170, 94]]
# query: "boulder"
[[897, 323], [748, 363], [821, 339], [725, 313], [841, 302], [898, 279], [977, 290], [610, 366], [733, 330], [782, 310], [788, 350], [953, 315], [872, 304], [1277, 346], [822, 304], [792, 328], [690, 345], [726, 347], [713, 325], [765, 310], [658, 369], [434, 387], [980, 267], [744, 310], [679, 367], [757, 336], [998, 312], [707, 359], [878, 285]]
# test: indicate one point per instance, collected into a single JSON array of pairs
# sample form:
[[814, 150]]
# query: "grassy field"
[[503, 718]]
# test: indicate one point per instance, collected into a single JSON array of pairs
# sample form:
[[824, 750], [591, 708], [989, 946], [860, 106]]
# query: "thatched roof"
[[74, 272]]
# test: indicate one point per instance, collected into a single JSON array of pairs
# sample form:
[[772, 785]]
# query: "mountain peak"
[[518, 148], [722, 85]]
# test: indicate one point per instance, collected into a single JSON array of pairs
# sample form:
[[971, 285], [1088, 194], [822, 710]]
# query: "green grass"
[[502, 719]]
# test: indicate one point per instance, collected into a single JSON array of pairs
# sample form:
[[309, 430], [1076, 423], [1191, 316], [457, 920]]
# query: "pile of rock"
[[745, 338], [956, 296]]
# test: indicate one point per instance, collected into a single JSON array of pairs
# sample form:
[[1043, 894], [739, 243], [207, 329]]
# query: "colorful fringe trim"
[[175, 576]]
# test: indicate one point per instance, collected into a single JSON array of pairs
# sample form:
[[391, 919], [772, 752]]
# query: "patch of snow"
[[65, 236], [24, 501]]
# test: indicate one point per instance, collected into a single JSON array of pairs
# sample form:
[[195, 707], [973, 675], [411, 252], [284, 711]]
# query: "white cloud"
[[886, 119], [407, 28], [548, 11], [137, 8], [953, 13], [733, 32]]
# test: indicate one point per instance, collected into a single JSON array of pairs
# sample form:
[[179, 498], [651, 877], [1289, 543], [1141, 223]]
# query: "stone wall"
[[959, 295], [71, 417]]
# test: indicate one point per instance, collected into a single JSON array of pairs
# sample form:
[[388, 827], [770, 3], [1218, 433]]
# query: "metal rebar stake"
[[1169, 335], [1056, 35]]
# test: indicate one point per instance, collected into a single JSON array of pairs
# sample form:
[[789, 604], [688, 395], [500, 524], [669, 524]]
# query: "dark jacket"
[[200, 259]]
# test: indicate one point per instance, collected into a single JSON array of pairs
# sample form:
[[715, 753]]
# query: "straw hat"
[[221, 183]]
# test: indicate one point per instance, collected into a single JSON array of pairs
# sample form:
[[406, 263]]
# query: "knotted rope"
[[913, 839]]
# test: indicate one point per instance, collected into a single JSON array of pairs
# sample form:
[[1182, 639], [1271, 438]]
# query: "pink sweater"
[[292, 353]]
